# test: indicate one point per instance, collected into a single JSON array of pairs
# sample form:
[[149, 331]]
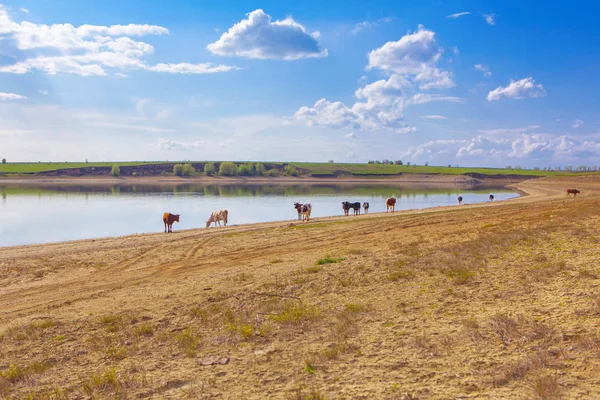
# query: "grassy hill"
[[153, 168]]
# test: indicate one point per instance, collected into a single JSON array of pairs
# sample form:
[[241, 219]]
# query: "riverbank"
[[490, 300], [278, 180]]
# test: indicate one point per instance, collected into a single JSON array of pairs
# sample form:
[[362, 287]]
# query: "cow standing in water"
[[491, 197], [572, 192], [366, 207], [168, 219], [217, 217], [390, 203], [459, 200]]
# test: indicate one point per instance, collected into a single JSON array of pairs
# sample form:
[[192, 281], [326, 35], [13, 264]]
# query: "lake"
[[53, 213]]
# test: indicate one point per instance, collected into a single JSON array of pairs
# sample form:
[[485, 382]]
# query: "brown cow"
[[168, 219], [217, 217], [572, 192], [390, 202]]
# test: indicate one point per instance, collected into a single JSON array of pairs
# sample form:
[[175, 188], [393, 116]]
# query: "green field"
[[383, 169], [32, 168], [308, 167]]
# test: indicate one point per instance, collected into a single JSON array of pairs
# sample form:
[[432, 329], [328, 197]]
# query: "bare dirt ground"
[[498, 300]]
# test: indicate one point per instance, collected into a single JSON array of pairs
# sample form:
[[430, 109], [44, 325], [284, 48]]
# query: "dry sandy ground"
[[498, 300]]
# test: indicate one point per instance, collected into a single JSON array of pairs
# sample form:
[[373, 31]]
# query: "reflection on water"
[[49, 213]]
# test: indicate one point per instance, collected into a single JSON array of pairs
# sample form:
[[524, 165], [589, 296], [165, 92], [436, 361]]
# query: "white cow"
[[217, 217]]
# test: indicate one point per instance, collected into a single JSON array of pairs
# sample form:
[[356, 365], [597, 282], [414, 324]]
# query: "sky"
[[466, 83]]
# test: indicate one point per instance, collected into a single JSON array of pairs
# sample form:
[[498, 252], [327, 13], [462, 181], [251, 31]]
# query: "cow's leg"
[[165, 227]]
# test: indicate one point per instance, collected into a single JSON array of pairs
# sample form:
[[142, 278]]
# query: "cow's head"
[[297, 206], [208, 223], [176, 217]]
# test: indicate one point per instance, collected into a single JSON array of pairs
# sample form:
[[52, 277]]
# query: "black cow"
[[366, 207], [346, 206], [459, 199], [491, 197]]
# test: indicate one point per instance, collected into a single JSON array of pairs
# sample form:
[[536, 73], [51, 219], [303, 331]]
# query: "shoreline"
[[286, 222], [461, 180]]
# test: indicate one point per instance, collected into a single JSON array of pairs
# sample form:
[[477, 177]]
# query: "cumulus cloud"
[[458, 15], [11, 96], [489, 18], [409, 55], [518, 90], [259, 37], [484, 68], [173, 145], [86, 50], [411, 64], [578, 123]]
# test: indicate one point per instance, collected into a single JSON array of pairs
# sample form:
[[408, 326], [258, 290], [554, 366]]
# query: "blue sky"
[[468, 83]]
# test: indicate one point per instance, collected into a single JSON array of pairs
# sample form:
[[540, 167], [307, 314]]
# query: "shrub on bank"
[[115, 171], [228, 168]]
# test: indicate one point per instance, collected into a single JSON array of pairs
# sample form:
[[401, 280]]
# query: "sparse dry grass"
[[494, 302]]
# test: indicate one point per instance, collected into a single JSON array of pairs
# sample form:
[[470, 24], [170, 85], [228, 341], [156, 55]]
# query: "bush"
[[290, 170], [228, 168], [246, 169], [184, 170], [115, 171], [398, 162], [209, 168], [259, 168], [272, 172], [4, 161]]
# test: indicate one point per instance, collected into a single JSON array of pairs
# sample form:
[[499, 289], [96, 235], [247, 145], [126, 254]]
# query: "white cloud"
[[11, 96], [409, 55], [411, 64], [186, 68], [407, 129], [455, 50], [484, 68], [364, 25], [518, 90], [44, 92], [259, 37], [458, 15], [508, 131], [173, 145], [87, 50], [350, 154], [24, 10], [489, 18], [121, 75], [422, 98], [350, 135], [438, 117], [578, 123]]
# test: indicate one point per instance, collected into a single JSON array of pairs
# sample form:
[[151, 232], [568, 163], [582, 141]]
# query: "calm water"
[[31, 215]]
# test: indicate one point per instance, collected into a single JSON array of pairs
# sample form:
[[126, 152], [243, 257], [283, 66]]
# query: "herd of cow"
[[304, 211]]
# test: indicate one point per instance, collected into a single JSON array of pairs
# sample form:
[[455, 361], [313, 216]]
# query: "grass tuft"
[[329, 260], [188, 341]]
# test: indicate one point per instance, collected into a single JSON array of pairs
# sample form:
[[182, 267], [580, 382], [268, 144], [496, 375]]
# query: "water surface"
[[52, 213]]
